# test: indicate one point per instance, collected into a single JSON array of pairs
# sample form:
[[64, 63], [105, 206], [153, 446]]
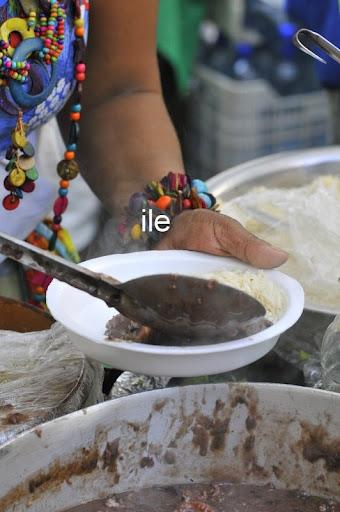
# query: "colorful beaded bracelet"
[[168, 197]]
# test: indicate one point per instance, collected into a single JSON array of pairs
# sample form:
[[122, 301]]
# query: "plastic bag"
[[330, 357], [305, 221], [43, 376]]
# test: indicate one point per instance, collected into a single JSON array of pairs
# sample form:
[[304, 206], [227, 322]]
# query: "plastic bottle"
[[286, 73], [215, 50], [243, 68], [330, 357]]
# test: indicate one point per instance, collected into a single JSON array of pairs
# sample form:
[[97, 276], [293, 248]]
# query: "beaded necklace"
[[42, 37]]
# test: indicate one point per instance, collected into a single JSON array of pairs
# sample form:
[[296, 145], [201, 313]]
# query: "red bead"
[[186, 204], [80, 77], [28, 186], [81, 67], [60, 205], [8, 185], [10, 202], [56, 227]]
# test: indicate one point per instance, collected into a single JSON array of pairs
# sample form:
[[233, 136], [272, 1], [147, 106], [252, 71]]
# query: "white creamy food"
[[304, 221]]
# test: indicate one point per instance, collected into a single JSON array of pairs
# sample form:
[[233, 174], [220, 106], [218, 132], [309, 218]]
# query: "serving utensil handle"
[[98, 285]]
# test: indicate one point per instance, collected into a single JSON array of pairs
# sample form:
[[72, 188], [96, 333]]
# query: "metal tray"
[[283, 170]]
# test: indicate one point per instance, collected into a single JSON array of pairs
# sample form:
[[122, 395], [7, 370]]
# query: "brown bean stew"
[[211, 498]]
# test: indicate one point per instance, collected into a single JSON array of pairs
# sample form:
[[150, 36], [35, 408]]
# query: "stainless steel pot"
[[260, 434], [289, 169]]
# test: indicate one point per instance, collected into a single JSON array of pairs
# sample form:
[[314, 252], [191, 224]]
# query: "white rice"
[[257, 285]]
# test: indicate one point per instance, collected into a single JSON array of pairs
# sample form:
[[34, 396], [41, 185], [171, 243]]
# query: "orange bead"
[[69, 155], [163, 202], [79, 32], [64, 183], [75, 116], [39, 290]]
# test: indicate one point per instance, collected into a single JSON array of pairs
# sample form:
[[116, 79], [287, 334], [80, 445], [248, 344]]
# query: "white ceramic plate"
[[85, 318]]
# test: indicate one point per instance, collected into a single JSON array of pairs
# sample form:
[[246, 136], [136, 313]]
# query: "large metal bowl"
[[283, 170], [289, 169], [258, 434]]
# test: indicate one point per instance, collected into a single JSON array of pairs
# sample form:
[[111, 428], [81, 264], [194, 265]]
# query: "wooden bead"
[[60, 205], [32, 174], [28, 186], [68, 169], [79, 31], [69, 155], [10, 202], [75, 116], [80, 77], [163, 202], [17, 177], [26, 163], [136, 232]]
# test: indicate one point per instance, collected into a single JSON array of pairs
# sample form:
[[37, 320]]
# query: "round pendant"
[[25, 163], [10, 202], [20, 96], [19, 139], [32, 174], [68, 169], [17, 177], [28, 186], [28, 149]]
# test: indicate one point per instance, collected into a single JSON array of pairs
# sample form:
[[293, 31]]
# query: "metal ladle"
[[318, 41], [179, 306]]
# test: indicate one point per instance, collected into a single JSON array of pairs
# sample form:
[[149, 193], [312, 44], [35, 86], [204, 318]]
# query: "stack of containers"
[[257, 101]]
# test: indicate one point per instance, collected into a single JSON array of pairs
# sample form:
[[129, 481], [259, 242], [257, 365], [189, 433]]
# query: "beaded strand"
[[68, 168]]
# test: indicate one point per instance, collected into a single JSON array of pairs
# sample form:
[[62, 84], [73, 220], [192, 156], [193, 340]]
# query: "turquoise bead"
[[206, 199], [39, 298], [72, 147], [63, 192], [200, 186], [76, 108]]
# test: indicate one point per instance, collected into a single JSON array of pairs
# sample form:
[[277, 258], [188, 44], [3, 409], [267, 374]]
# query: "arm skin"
[[127, 138]]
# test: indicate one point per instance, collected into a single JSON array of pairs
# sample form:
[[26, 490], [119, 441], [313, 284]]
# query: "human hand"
[[210, 232]]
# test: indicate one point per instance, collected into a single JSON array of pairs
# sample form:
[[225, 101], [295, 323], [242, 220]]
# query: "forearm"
[[125, 142]]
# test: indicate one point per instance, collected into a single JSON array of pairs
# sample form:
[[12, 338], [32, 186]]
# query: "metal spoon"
[[178, 305], [319, 41]]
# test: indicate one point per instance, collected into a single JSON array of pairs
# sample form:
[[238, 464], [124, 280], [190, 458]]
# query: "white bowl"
[[85, 318]]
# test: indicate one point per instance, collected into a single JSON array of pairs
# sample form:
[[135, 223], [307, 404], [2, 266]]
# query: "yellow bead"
[[136, 232], [79, 23], [17, 177], [19, 139]]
